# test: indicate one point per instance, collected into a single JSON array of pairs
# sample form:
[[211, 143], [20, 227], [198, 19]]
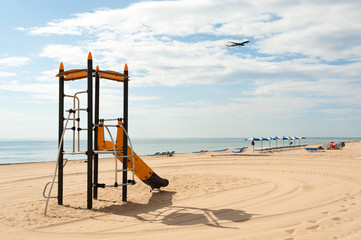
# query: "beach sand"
[[289, 195]]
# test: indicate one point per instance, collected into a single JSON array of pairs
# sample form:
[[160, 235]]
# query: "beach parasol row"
[[261, 139]]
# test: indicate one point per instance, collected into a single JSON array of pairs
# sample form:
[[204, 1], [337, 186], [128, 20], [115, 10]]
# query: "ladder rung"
[[75, 153], [106, 151], [119, 185], [127, 156], [77, 109], [125, 170], [114, 119]]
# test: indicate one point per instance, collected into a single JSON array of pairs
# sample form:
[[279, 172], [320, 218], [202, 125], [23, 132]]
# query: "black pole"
[[60, 133], [90, 134], [125, 140], [96, 121]]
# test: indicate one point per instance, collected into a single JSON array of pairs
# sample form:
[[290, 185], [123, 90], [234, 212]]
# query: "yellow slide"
[[141, 169]]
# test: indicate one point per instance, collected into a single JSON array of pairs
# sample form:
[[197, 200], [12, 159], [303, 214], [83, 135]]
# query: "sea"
[[37, 150]]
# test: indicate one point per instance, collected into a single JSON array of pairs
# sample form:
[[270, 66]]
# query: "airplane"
[[237, 44]]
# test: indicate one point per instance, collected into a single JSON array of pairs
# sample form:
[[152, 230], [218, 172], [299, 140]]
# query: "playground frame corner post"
[[90, 133], [125, 139], [60, 132]]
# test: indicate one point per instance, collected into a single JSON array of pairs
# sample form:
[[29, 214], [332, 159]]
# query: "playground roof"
[[83, 73]]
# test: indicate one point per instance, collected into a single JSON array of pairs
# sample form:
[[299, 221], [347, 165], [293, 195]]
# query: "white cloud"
[[14, 61], [146, 34], [31, 88], [47, 76], [286, 68], [43, 91], [10, 115], [6, 74], [68, 54], [325, 30]]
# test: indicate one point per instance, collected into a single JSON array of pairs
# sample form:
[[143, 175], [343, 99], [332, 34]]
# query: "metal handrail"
[[115, 155], [57, 162]]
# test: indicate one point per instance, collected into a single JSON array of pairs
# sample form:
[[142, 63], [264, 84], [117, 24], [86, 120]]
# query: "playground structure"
[[96, 143]]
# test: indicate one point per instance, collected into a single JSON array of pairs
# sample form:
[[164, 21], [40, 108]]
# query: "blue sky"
[[298, 76]]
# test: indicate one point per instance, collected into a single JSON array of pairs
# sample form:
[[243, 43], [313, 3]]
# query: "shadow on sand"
[[160, 209]]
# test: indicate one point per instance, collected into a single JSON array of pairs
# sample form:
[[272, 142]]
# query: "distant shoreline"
[[21, 151]]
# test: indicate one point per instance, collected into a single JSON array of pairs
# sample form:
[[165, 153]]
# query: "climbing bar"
[[107, 152], [70, 110], [107, 125], [97, 152], [77, 109], [114, 119], [127, 156], [125, 170], [102, 185], [75, 153], [74, 119]]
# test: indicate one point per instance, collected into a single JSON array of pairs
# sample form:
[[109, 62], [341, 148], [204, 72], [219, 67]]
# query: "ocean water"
[[21, 151]]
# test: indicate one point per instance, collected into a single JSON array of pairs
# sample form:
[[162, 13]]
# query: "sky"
[[298, 76]]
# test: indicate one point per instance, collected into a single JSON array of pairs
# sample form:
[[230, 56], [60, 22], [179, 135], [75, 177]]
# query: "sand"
[[291, 195]]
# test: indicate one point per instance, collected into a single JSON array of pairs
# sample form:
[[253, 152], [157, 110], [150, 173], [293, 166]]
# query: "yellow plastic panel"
[[73, 74], [111, 75]]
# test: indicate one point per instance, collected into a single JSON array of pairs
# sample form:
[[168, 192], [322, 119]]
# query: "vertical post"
[[61, 129], [96, 121], [125, 140], [90, 134]]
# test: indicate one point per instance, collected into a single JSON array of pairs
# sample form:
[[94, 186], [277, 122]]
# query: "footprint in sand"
[[290, 231], [313, 227], [336, 219]]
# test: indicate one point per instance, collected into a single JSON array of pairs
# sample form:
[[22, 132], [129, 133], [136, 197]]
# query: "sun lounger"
[[170, 154], [201, 151], [155, 154], [239, 150], [314, 149], [221, 150]]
